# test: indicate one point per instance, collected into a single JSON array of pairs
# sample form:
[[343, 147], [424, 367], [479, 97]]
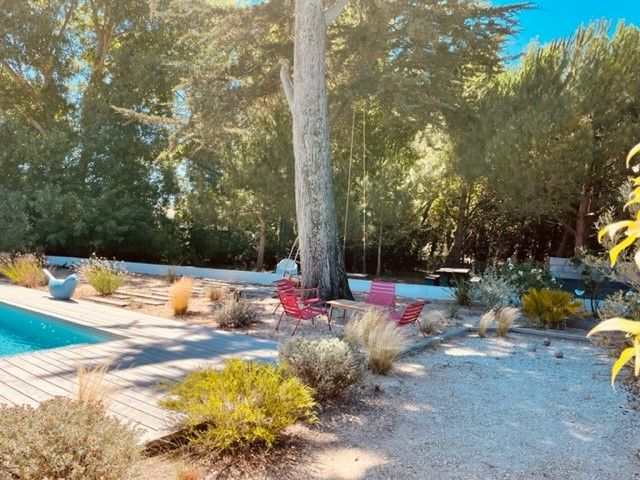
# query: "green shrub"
[[24, 270], [382, 339], [64, 439], [461, 292], [331, 366], [492, 290], [235, 313], [550, 308], [527, 275], [620, 304], [243, 404], [103, 275]]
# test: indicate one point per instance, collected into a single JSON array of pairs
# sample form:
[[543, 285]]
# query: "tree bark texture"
[[320, 253], [262, 240], [454, 258]]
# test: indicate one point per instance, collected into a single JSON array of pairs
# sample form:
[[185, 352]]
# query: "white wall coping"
[[410, 290]]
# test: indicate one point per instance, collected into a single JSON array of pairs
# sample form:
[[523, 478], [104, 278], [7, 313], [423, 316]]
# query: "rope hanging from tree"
[[346, 206]]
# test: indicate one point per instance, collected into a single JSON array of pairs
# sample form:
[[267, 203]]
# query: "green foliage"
[[527, 275], [621, 304], [64, 439], [234, 313], [453, 311], [461, 292], [332, 367], [630, 328], [24, 270], [103, 275], [492, 290], [550, 308], [241, 405]]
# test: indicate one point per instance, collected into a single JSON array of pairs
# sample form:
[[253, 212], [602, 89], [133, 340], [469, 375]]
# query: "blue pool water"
[[24, 331]]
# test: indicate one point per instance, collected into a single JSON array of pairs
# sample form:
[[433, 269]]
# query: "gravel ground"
[[470, 409], [491, 409], [201, 312]]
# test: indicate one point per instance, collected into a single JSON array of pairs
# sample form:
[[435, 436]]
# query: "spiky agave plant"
[[631, 328]]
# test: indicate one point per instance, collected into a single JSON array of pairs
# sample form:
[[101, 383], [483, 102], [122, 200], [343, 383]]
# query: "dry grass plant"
[[433, 322], [382, 339], [487, 319], [215, 294], [180, 294], [92, 384], [505, 318], [24, 270]]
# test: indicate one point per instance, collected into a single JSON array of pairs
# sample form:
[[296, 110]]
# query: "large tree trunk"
[[582, 224], [320, 252], [454, 258], [581, 231], [262, 240], [379, 264]]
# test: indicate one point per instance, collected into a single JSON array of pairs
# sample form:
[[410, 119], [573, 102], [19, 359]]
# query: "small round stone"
[[558, 354], [546, 342]]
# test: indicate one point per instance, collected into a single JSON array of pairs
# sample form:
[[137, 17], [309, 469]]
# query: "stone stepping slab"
[[152, 296], [108, 301]]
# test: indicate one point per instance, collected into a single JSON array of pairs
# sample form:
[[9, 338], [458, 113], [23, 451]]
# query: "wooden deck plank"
[[60, 385], [49, 369], [145, 349]]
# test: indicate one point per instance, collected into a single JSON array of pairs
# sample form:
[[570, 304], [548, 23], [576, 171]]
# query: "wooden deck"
[[145, 352]]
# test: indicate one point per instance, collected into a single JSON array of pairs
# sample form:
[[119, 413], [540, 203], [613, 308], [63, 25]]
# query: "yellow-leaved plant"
[[631, 328]]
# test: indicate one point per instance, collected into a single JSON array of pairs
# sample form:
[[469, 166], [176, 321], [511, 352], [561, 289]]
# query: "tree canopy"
[[158, 131]]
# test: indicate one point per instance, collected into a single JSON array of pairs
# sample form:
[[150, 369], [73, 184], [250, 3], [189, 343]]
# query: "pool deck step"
[[149, 296], [108, 301]]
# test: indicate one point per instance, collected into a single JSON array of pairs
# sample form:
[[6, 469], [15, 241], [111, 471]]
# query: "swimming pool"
[[24, 331]]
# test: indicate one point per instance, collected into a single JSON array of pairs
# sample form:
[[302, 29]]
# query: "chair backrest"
[[411, 312], [382, 293], [289, 302], [284, 285]]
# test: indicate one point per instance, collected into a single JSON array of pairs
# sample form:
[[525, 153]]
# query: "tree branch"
[[32, 121], [146, 118], [334, 11], [18, 78], [287, 86]]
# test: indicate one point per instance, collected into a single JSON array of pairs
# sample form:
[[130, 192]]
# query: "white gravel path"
[[488, 409]]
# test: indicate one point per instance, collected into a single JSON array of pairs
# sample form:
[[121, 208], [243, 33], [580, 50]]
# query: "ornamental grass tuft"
[[180, 295], [24, 270]]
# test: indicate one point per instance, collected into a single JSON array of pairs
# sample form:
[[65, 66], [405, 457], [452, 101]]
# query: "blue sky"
[[560, 18]]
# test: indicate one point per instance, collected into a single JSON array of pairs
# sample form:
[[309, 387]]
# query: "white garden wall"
[[409, 290]]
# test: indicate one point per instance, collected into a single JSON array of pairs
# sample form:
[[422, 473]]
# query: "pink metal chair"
[[409, 315], [382, 294], [293, 308], [308, 296]]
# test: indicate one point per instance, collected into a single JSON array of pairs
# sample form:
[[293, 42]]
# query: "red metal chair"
[[286, 285], [382, 294], [293, 308], [410, 314]]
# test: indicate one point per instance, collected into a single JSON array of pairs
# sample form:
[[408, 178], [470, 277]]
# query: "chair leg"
[[279, 320], [276, 309], [420, 328], [296, 327]]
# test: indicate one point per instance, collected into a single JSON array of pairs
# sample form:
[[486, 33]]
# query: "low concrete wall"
[[409, 290]]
